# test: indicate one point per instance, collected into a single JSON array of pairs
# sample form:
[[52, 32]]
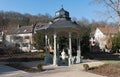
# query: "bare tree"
[[113, 8]]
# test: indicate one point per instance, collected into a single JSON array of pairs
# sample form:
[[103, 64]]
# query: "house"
[[102, 37], [2, 30], [20, 37], [1, 34]]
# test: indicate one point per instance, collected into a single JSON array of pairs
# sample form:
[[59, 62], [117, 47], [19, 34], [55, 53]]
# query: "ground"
[[28, 59], [110, 70], [112, 64], [61, 71]]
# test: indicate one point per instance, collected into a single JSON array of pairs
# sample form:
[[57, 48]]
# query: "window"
[[17, 37], [25, 44], [26, 37]]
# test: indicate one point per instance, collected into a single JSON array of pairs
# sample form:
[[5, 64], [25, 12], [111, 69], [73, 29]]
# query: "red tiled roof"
[[108, 30]]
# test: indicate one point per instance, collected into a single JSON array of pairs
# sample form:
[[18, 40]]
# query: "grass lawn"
[[110, 61]]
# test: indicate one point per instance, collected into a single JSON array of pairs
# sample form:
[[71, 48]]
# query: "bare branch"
[[111, 2], [110, 5], [114, 6]]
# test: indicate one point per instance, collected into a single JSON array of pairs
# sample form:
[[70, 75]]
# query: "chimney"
[[19, 26], [2, 33], [33, 28]]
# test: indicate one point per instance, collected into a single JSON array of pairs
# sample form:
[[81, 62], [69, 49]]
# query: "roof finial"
[[62, 5]]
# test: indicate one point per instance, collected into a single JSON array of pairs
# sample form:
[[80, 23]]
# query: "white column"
[[58, 53], [46, 50], [55, 49], [78, 51], [70, 50], [48, 46]]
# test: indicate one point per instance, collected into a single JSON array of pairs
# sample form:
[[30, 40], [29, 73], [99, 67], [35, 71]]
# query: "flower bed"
[[109, 70]]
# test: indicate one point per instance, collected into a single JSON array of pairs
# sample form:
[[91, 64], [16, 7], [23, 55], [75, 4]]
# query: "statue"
[[63, 55]]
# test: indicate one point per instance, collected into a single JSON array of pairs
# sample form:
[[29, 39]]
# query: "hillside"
[[12, 19]]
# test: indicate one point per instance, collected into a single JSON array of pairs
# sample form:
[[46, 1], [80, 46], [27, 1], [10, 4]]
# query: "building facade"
[[101, 37], [21, 37]]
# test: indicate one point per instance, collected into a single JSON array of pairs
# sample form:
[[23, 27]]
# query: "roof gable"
[[25, 29], [108, 30], [20, 30]]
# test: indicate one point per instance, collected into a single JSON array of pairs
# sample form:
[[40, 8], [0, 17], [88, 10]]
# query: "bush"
[[39, 67], [86, 67], [2, 52]]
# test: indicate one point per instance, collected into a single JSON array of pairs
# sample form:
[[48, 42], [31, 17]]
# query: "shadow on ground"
[[6, 69], [103, 56]]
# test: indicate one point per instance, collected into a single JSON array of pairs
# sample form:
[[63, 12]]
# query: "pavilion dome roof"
[[62, 20], [62, 14]]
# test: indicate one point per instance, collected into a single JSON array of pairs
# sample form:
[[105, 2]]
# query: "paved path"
[[6, 71], [62, 71]]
